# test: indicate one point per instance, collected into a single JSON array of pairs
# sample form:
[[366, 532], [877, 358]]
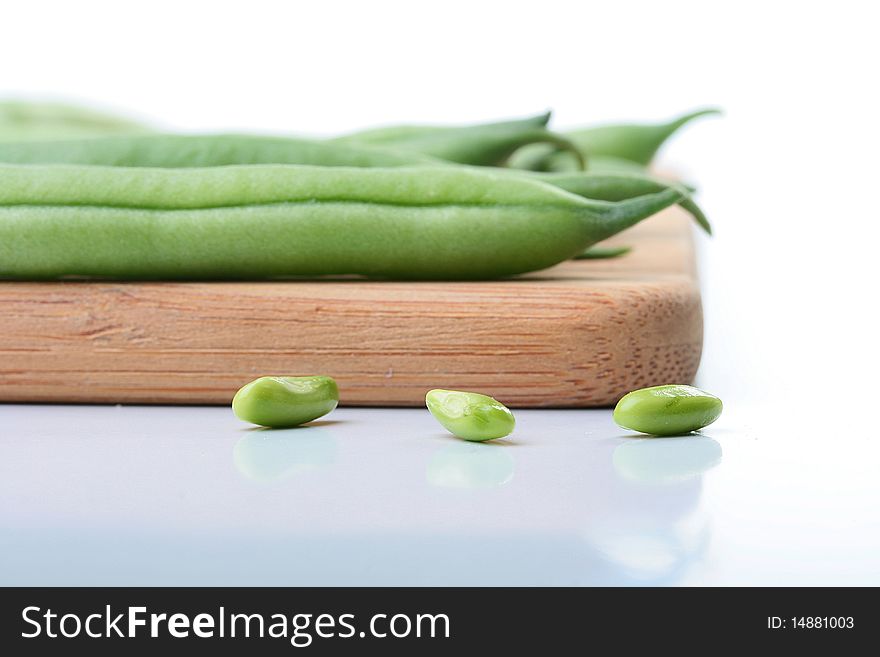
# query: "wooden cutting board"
[[581, 334]]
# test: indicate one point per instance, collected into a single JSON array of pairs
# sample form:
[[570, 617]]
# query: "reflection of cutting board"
[[580, 334]]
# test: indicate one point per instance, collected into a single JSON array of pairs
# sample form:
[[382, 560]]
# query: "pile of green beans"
[[187, 151], [405, 202], [617, 155]]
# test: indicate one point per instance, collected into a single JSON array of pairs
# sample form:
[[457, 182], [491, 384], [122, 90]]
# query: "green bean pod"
[[393, 134], [23, 120], [183, 151], [635, 142], [486, 144], [178, 151], [611, 146], [619, 187], [470, 415], [257, 222]]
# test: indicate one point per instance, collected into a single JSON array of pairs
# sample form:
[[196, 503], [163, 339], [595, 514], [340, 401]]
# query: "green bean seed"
[[470, 415], [669, 410], [285, 401]]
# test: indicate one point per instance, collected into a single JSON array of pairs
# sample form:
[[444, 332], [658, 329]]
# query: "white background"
[[788, 176]]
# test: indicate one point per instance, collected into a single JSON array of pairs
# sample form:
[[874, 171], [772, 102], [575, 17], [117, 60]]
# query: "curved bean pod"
[[618, 187], [635, 142], [610, 146], [486, 144], [253, 222]]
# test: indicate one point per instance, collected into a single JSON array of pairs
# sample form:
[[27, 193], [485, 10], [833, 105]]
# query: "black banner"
[[116, 621]]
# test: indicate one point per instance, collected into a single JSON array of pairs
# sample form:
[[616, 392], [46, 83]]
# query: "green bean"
[[254, 222], [470, 415], [220, 150], [635, 142], [22, 120], [488, 144], [603, 252], [203, 151], [668, 410], [224, 150], [285, 401], [394, 134], [620, 186], [617, 147]]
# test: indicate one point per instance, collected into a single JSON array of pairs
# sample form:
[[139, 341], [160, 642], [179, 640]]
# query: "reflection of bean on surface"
[[470, 465], [665, 460], [269, 456]]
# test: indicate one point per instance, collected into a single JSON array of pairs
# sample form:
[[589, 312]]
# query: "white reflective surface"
[[142, 496]]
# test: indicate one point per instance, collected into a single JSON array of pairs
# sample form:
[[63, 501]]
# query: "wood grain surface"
[[578, 335]]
